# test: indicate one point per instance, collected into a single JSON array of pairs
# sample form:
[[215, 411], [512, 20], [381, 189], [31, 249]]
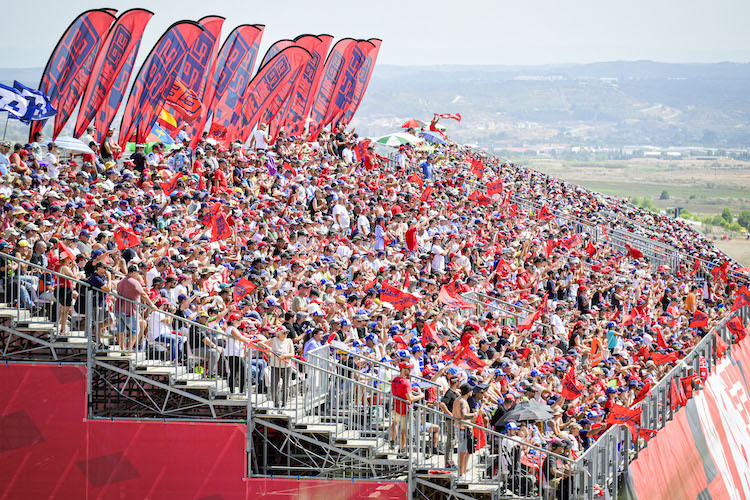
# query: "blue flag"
[[40, 107], [14, 103], [162, 135]]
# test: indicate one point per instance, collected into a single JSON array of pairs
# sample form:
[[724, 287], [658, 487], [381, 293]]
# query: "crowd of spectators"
[[318, 226]]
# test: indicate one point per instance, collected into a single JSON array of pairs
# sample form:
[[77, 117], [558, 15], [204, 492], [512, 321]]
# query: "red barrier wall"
[[705, 451], [49, 450]]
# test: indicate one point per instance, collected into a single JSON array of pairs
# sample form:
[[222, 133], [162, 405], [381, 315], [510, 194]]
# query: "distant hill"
[[599, 104]]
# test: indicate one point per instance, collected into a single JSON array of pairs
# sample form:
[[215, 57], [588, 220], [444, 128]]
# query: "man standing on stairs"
[[461, 411], [402, 390]]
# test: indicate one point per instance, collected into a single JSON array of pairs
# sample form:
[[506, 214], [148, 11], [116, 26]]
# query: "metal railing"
[[609, 456]]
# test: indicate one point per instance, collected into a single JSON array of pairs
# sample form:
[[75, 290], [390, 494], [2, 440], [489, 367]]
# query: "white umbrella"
[[72, 145], [398, 139]]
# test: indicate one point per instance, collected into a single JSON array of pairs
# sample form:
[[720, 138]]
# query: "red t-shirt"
[[400, 388]]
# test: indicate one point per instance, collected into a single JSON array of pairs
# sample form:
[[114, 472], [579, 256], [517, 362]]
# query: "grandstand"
[[333, 416]]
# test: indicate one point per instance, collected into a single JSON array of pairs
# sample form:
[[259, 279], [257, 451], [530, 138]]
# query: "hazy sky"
[[443, 32]]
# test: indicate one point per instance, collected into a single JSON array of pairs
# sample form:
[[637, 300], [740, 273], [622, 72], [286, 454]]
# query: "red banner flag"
[[169, 187], [477, 168], [544, 213], [660, 340], [70, 66], [184, 100], [426, 194], [429, 334], [371, 284], [696, 267], [346, 83], [363, 79], [220, 229], [573, 241], [416, 179], [699, 319], [549, 246], [660, 358], [452, 301], [621, 415], [449, 116], [398, 298], [483, 200], [676, 396], [634, 253], [720, 272], [327, 84], [590, 249], [687, 385], [495, 187], [529, 321], [741, 298], [63, 249], [571, 388], [736, 327], [721, 346], [703, 369], [467, 359], [111, 72], [154, 80], [533, 458], [242, 288], [643, 393], [125, 238]]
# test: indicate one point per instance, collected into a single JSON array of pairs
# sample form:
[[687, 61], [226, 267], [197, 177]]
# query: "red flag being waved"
[[696, 266], [125, 238], [634, 252], [242, 288], [699, 319], [660, 358], [676, 395], [529, 321], [660, 340], [398, 298], [170, 186], [720, 272], [590, 249], [494, 187], [429, 334], [544, 213], [417, 179], [573, 241], [426, 194], [620, 415], [721, 346], [571, 388], [644, 392], [451, 116], [449, 296], [468, 360], [220, 229], [477, 168], [63, 249]]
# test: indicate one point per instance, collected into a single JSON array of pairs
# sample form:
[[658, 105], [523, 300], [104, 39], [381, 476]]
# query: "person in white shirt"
[[260, 139], [438, 259], [53, 167], [88, 137], [347, 154], [4, 159], [182, 135], [341, 216], [363, 224]]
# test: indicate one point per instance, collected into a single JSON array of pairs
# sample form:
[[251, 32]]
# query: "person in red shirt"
[[220, 179], [402, 390], [370, 161]]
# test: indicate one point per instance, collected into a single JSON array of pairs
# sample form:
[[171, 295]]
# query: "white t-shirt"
[[87, 139], [158, 325], [363, 224], [438, 261], [52, 169], [260, 139], [340, 213]]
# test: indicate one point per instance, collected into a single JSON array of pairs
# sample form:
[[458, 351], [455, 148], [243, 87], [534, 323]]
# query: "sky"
[[522, 32]]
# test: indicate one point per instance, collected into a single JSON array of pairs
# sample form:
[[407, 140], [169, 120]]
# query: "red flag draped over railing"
[[327, 84], [111, 72], [234, 68], [363, 79], [529, 321], [736, 327], [267, 83], [155, 79], [69, 67]]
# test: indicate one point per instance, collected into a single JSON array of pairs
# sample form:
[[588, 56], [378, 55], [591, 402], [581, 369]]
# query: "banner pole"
[[7, 115]]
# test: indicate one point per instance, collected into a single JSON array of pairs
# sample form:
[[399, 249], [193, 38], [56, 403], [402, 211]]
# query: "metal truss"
[[20, 346], [291, 453], [117, 392]]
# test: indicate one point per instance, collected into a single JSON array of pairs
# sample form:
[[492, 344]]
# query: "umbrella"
[[397, 139], [432, 137], [72, 145], [527, 411], [414, 124]]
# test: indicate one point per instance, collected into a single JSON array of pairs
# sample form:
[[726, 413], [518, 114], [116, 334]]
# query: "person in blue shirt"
[[428, 167]]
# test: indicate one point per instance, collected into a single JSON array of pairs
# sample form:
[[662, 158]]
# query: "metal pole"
[[7, 115], [250, 419], [90, 346], [409, 434]]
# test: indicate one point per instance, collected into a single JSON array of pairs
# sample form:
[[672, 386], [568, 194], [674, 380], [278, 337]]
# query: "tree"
[[664, 195], [636, 202], [726, 214], [744, 218]]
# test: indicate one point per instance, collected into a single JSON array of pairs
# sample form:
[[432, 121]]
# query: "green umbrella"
[[398, 139]]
